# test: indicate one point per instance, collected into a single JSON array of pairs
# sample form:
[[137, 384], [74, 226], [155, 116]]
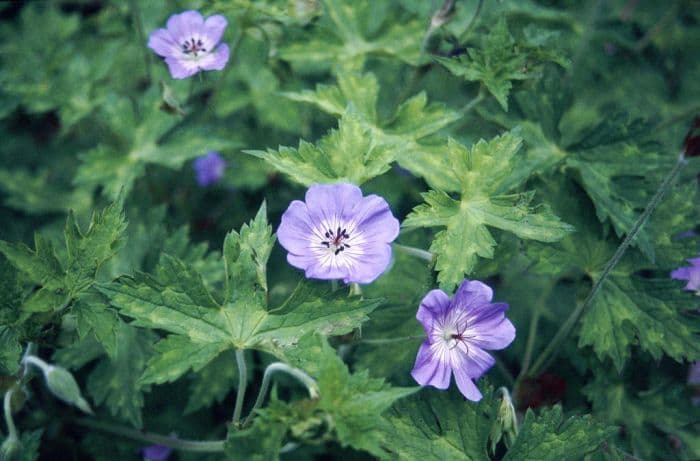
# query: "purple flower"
[[189, 43], [691, 274], [209, 169], [156, 453], [459, 332], [339, 234]]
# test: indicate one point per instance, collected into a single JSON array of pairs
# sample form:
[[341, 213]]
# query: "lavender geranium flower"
[[209, 169], [339, 234], [691, 274], [459, 333], [188, 44]]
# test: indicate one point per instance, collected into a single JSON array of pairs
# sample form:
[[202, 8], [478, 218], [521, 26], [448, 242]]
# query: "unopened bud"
[[62, 385], [10, 449], [506, 423]]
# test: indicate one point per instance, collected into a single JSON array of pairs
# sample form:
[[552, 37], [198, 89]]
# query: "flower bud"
[[62, 385], [10, 449], [506, 423]]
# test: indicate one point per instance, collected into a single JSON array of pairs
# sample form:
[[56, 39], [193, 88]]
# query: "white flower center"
[[336, 240]]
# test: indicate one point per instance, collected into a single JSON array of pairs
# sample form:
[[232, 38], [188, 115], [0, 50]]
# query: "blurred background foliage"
[[601, 92]]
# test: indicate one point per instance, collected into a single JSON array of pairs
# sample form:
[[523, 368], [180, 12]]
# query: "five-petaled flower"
[[209, 168], [691, 274], [339, 234], [459, 333], [188, 44]]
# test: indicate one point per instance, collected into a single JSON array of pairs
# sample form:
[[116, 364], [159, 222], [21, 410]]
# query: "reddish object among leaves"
[[691, 143], [544, 390]]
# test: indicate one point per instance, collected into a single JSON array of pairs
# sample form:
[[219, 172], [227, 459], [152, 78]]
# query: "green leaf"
[[10, 351], [41, 265], [177, 301], [213, 382], [347, 154], [653, 313], [649, 411], [500, 61], [355, 402], [138, 141], [348, 34], [549, 437], [87, 252], [93, 315], [363, 147], [482, 173], [115, 380], [175, 355], [437, 425]]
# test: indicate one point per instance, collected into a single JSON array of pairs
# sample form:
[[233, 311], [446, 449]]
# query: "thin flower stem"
[[390, 340], [36, 361], [7, 408], [301, 376], [242, 383], [529, 346], [472, 21], [138, 25], [213, 446], [412, 251], [552, 348], [473, 103]]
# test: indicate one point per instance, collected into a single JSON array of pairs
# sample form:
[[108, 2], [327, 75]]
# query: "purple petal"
[[433, 306], [694, 374], [466, 385], [373, 216], [492, 332], [372, 265], [162, 43], [429, 370], [216, 60], [328, 201], [156, 452], [477, 362], [214, 28], [178, 70], [185, 25], [472, 295], [295, 229], [682, 273], [694, 261]]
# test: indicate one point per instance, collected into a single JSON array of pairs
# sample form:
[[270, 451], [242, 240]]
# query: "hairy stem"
[[242, 383], [552, 348], [275, 367], [7, 407], [412, 251], [138, 25], [390, 340], [213, 446]]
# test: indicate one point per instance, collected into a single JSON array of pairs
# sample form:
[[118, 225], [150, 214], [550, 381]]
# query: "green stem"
[[504, 371], [214, 446], [390, 340], [138, 25], [37, 362], [552, 348], [412, 251], [275, 367], [472, 21], [7, 407], [242, 383], [473, 103]]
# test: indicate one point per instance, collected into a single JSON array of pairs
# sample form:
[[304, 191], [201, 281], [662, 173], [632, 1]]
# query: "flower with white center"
[[189, 43], [459, 331], [336, 233]]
